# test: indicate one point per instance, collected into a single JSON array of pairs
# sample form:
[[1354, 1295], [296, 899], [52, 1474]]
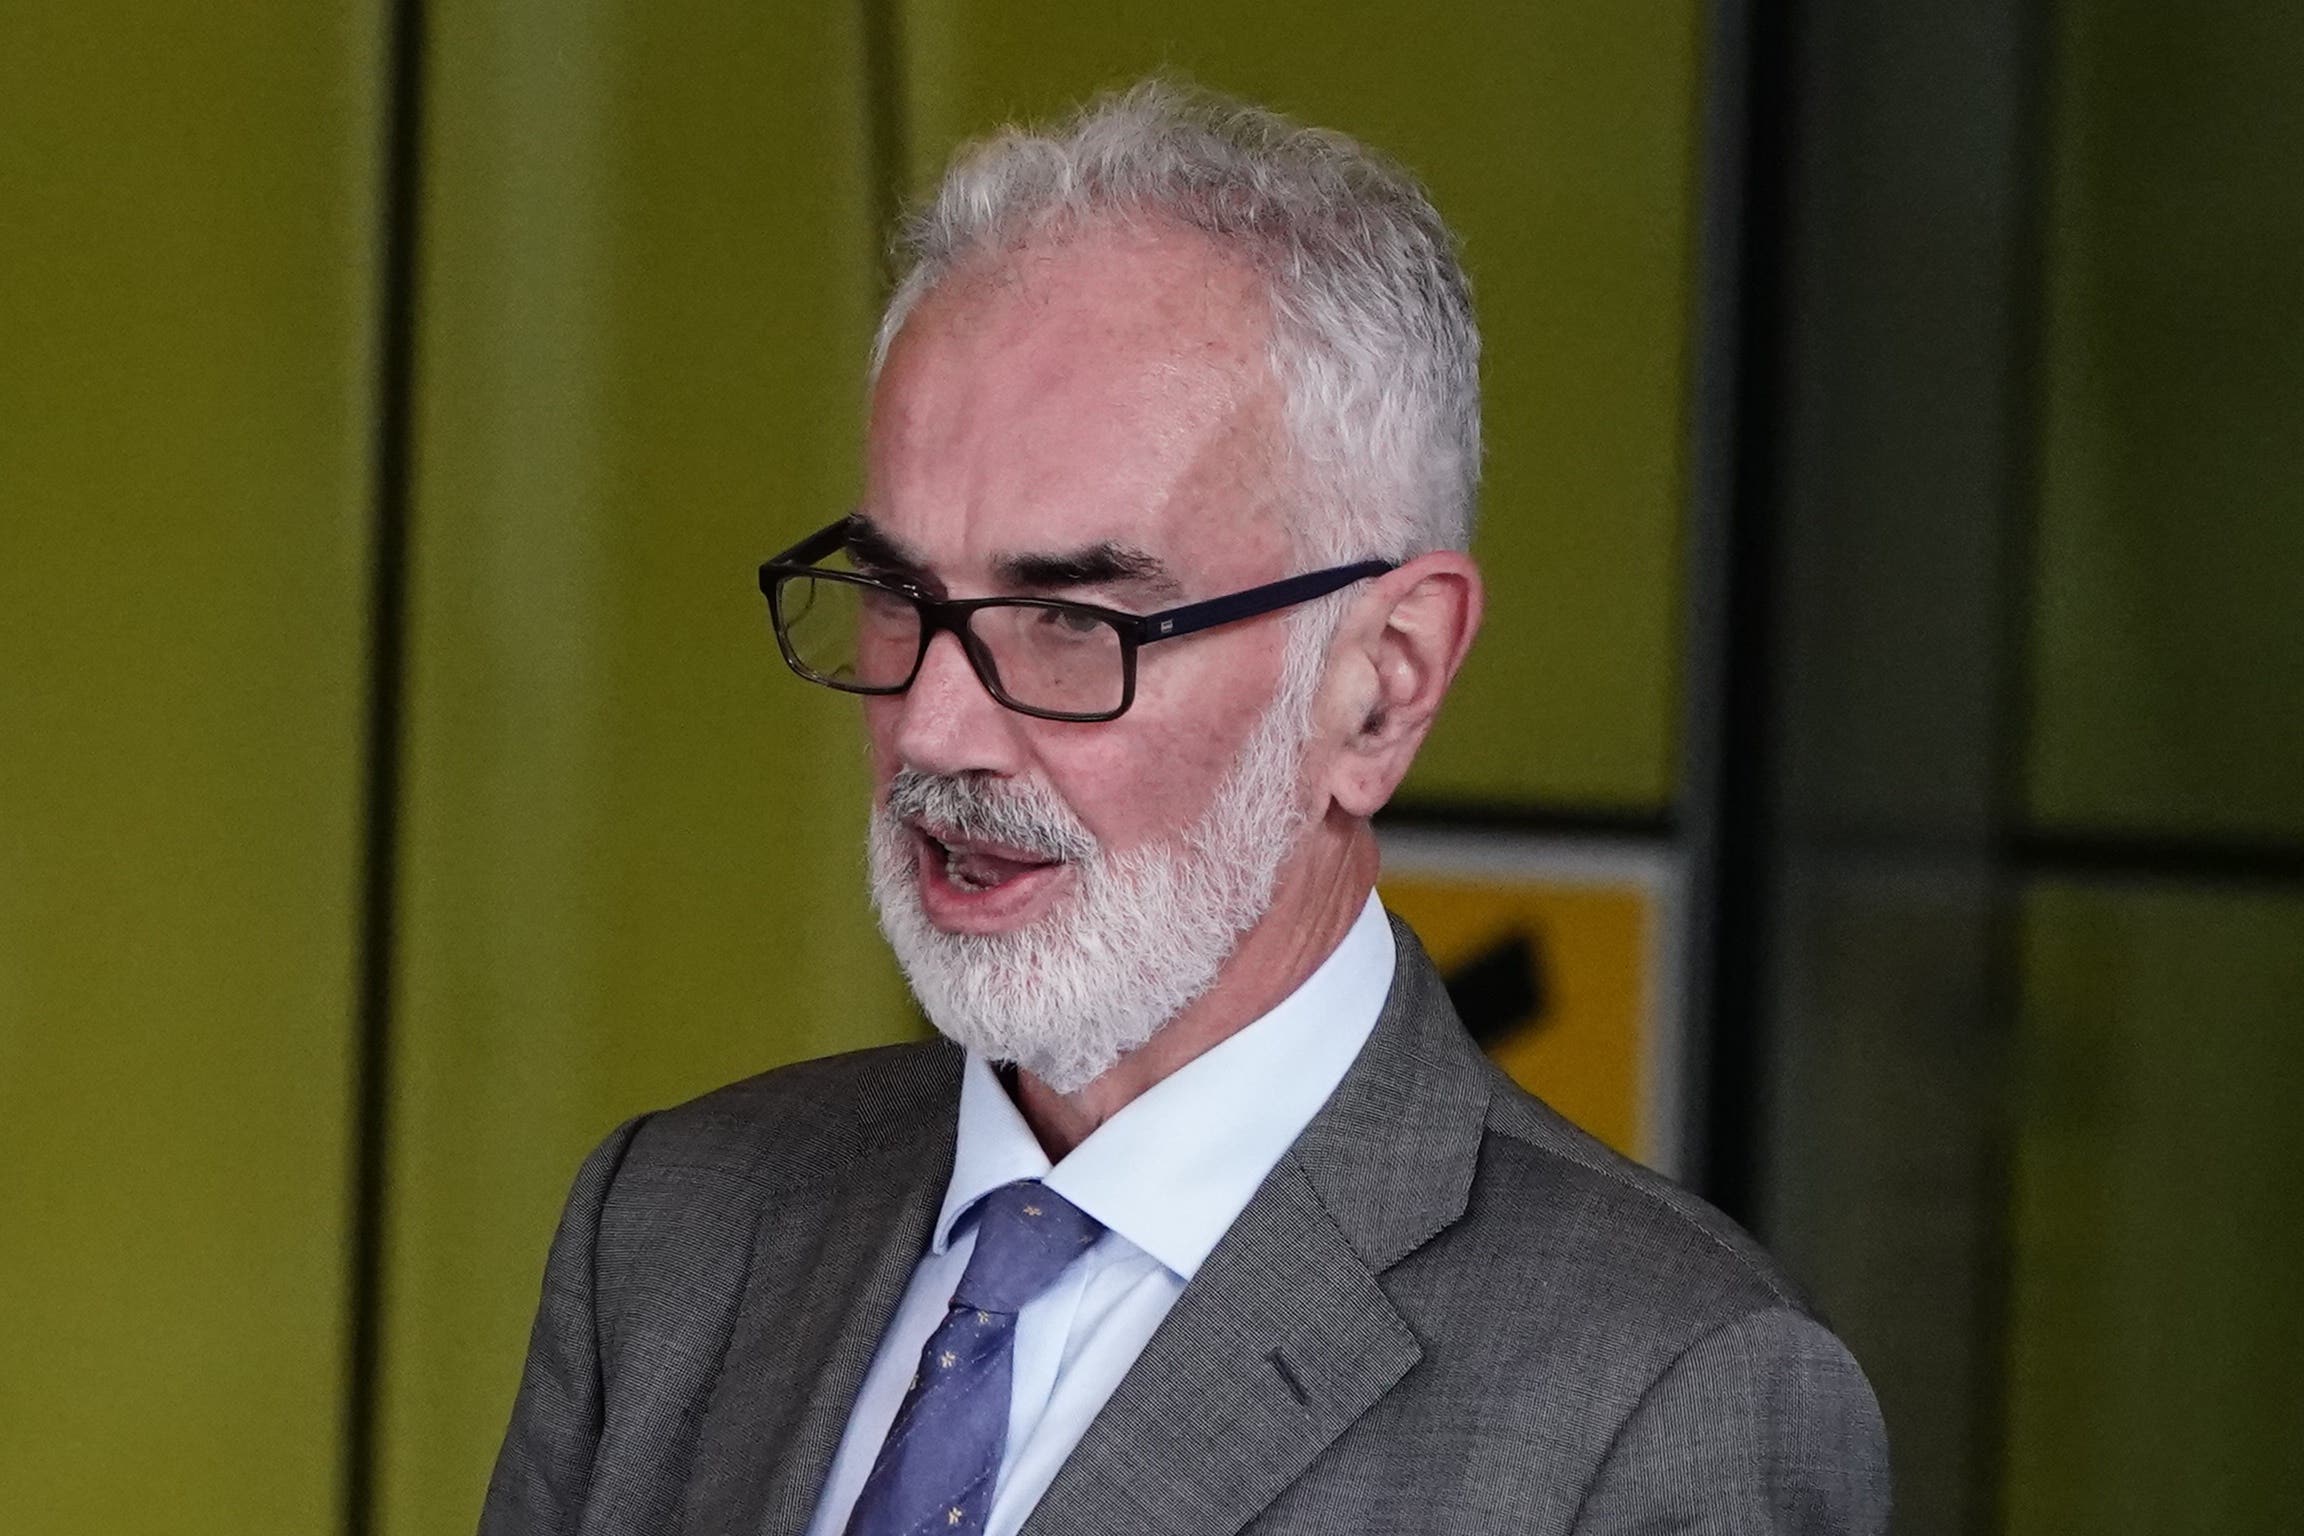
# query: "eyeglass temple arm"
[[1235, 606]]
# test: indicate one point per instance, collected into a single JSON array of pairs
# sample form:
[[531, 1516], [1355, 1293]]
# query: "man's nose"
[[950, 723]]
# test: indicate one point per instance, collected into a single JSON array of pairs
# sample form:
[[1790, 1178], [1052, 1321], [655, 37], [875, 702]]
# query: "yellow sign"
[[1557, 956]]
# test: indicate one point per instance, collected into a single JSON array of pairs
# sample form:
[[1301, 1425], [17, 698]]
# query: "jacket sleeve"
[[541, 1473], [1764, 1425]]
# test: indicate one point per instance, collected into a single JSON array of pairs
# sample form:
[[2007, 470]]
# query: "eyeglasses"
[[1045, 657]]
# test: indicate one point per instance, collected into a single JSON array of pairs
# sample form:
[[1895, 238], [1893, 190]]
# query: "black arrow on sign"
[[1501, 988]]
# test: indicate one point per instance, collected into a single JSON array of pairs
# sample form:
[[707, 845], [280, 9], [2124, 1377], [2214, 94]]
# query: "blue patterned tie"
[[936, 1470]]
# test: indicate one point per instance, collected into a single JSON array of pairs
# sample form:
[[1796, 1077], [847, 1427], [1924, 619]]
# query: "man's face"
[[1094, 419]]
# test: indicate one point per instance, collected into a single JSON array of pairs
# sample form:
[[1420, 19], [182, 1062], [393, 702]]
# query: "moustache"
[[1027, 817]]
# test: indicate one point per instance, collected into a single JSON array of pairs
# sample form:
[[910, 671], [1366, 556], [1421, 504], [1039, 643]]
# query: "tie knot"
[[1025, 1234]]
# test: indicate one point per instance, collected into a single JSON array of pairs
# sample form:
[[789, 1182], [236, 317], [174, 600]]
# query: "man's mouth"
[[974, 866]]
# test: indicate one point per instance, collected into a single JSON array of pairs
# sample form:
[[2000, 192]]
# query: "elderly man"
[[1206, 1216]]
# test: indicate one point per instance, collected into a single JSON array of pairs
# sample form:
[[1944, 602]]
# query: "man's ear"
[[1402, 646]]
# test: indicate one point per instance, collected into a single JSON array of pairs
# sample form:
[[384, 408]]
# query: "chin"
[[1088, 968]]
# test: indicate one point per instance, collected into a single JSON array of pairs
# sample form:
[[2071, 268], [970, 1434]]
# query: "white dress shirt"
[[1166, 1176]]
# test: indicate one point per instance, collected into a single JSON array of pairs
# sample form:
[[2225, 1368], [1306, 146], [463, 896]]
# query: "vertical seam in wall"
[[2021, 482], [1730, 877], [392, 469], [1716, 283]]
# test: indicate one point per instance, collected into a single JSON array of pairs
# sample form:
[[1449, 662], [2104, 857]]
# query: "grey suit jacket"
[[1446, 1310]]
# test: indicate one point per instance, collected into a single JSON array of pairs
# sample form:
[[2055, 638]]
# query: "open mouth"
[[973, 866]]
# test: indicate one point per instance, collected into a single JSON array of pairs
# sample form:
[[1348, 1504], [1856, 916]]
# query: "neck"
[[1316, 901]]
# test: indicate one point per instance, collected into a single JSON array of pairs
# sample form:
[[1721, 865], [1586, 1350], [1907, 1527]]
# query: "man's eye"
[[1070, 624]]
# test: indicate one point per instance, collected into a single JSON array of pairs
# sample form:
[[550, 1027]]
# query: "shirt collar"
[[1173, 1169]]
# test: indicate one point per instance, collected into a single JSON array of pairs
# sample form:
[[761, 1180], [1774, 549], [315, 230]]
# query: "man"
[[1207, 1215]]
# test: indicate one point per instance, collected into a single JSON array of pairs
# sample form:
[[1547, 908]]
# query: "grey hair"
[[1373, 340]]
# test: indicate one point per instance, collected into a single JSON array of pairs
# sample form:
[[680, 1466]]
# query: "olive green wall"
[[632, 841], [185, 309], [2156, 1350], [2155, 1358], [2168, 682]]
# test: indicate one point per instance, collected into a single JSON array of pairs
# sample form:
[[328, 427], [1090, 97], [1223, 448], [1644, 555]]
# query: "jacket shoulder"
[[801, 1115], [679, 1194], [1607, 1249]]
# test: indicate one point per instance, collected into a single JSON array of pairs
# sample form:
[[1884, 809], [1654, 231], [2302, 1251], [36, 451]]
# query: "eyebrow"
[[1106, 563], [879, 553]]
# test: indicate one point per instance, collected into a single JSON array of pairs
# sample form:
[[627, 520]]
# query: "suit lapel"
[[1208, 1426], [1285, 1338], [806, 1331]]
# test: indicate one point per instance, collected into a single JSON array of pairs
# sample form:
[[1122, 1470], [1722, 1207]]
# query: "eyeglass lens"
[[849, 635], [854, 635]]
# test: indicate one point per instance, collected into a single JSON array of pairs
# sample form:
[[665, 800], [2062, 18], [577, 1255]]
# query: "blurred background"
[[1878, 798]]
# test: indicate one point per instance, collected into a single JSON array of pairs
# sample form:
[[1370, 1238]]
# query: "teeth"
[[970, 870], [955, 870]]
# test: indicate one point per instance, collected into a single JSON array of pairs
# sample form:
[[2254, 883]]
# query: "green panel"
[[2156, 1351], [2169, 683], [186, 231], [634, 863], [1560, 141]]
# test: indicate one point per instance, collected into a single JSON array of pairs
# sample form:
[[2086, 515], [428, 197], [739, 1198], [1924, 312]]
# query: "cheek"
[[1144, 777], [1138, 788]]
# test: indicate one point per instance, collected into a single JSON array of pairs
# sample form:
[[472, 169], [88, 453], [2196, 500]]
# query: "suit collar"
[[1393, 1153]]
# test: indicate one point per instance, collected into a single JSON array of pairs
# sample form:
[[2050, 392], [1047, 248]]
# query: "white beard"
[[1139, 939]]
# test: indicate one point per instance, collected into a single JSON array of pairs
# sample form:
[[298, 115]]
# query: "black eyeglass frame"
[[938, 614]]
